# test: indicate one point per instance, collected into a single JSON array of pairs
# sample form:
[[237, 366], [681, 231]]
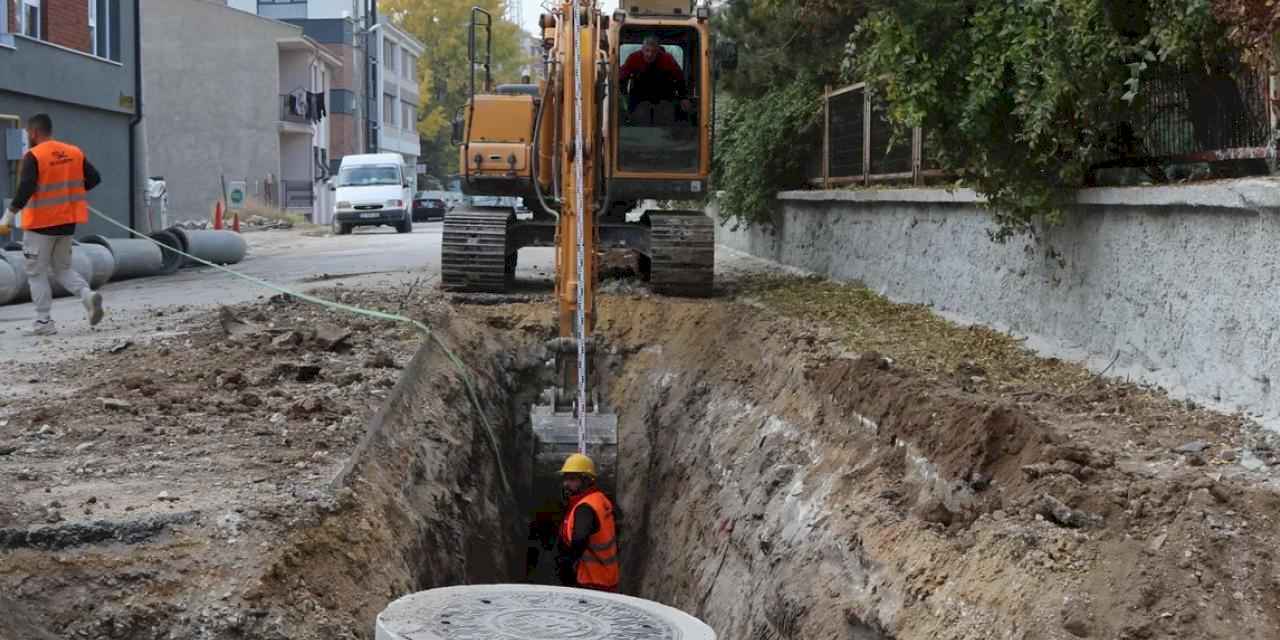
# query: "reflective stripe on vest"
[[599, 564], [60, 196]]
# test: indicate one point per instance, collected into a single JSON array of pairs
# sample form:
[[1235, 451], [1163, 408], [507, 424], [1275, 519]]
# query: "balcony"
[[293, 111]]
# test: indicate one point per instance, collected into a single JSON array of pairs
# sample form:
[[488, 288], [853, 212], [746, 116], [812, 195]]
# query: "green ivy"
[[1019, 98], [763, 145]]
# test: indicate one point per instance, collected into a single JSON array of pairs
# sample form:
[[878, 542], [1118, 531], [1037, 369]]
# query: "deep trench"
[[643, 487]]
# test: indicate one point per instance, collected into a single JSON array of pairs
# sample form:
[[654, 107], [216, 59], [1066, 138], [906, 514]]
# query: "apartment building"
[[246, 101], [397, 73], [75, 60], [374, 98]]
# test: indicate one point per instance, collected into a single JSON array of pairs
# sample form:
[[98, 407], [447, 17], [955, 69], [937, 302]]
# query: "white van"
[[373, 189]]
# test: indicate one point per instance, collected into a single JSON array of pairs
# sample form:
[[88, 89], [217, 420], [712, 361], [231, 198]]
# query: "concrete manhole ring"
[[532, 612]]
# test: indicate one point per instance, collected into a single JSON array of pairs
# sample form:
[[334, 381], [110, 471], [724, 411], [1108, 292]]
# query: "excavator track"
[[682, 253], [474, 256]]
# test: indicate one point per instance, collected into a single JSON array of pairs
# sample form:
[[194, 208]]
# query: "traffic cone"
[[217, 215], [235, 222]]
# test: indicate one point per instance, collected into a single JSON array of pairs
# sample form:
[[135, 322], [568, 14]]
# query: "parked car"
[[373, 190], [428, 205]]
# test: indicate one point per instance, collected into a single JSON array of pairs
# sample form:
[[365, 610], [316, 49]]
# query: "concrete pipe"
[[15, 260], [80, 263], [172, 259], [532, 612], [181, 235], [135, 258], [104, 264], [218, 247], [10, 286]]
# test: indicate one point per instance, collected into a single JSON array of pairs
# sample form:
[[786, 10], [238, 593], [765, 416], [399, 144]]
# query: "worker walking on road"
[[588, 538], [55, 179]]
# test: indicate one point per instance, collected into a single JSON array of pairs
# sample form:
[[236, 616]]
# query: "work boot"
[[41, 328], [93, 306]]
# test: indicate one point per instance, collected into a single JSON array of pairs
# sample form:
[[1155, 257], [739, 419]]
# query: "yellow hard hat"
[[578, 463]]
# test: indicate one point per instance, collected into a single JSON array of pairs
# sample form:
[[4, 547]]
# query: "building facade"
[[247, 101], [374, 100], [397, 73], [75, 60]]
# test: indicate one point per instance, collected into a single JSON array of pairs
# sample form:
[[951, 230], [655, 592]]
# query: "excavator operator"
[[656, 83], [588, 545]]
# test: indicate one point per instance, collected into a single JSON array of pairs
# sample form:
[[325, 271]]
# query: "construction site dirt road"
[[798, 460]]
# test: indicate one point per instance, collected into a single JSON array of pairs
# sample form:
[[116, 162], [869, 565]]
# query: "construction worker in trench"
[[588, 545]]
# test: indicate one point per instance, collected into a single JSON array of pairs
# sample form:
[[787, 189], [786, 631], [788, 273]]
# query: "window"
[[93, 28], [341, 101], [658, 131], [369, 176], [104, 28], [410, 65], [283, 9], [389, 55], [29, 19], [389, 110], [409, 116]]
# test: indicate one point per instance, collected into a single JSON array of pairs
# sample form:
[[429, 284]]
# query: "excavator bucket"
[[557, 434]]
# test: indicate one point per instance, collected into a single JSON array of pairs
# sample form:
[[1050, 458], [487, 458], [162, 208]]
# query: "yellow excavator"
[[624, 116]]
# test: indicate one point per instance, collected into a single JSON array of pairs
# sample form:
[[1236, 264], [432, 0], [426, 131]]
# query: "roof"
[[305, 43], [402, 37]]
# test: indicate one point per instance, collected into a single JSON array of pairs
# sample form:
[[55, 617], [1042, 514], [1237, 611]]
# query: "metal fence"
[[1206, 119], [1181, 119], [861, 146], [298, 194]]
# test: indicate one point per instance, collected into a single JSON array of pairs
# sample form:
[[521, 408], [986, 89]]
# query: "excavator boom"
[[624, 115]]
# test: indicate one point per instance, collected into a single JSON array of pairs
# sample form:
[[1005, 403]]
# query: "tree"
[[1019, 98], [767, 124], [444, 72], [1252, 24]]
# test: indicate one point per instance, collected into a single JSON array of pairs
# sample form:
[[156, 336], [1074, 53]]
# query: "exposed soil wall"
[[781, 490]]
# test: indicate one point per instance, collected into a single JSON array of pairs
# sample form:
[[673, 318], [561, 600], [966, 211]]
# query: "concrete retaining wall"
[[1181, 282]]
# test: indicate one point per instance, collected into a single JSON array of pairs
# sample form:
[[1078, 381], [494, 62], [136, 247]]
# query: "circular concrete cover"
[[533, 612]]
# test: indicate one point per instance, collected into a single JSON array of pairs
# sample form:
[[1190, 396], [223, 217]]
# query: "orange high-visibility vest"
[[60, 196], [598, 568]]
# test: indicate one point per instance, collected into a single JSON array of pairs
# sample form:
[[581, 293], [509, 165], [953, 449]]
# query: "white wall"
[[212, 104], [295, 71], [1180, 282], [244, 5]]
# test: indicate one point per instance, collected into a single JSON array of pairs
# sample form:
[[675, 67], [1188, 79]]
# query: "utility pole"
[[372, 93]]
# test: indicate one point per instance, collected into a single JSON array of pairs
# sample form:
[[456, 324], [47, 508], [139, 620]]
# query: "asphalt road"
[[147, 307]]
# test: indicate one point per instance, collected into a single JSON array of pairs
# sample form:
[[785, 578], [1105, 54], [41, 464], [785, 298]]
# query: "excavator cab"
[[662, 145]]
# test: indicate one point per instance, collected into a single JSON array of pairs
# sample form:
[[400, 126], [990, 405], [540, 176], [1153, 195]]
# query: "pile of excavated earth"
[[798, 460]]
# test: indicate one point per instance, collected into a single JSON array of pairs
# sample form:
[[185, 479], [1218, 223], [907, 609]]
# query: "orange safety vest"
[[598, 568], [60, 196]]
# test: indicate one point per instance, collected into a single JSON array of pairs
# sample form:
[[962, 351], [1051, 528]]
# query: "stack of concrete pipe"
[[92, 266], [134, 258], [218, 247], [171, 260], [10, 287], [104, 264], [100, 259]]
